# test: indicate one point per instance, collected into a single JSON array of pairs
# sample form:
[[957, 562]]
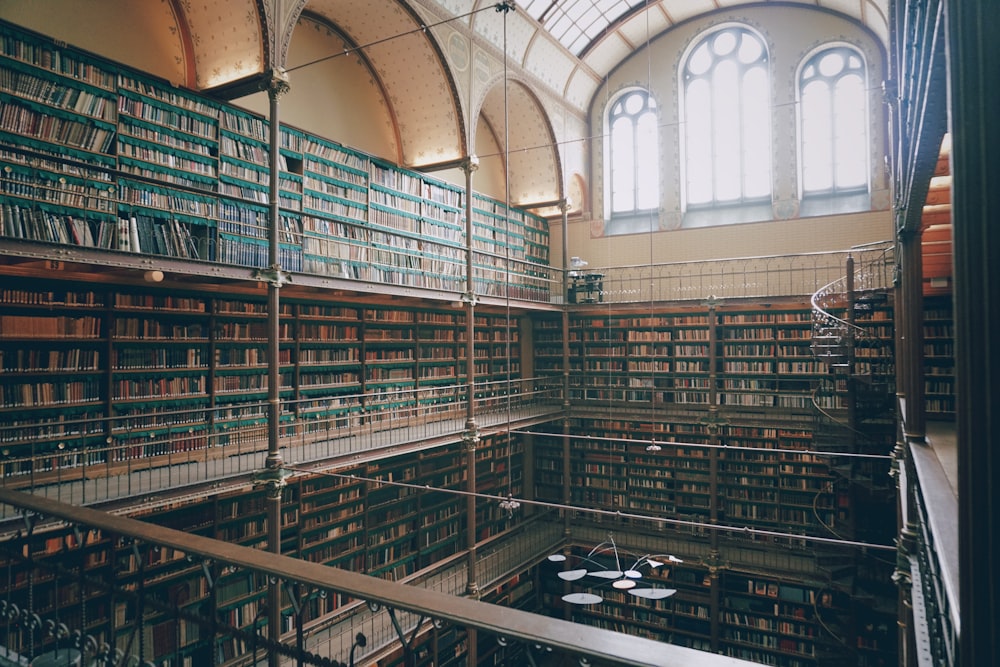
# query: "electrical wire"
[[507, 281], [422, 29], [741, 530], [777, 450]]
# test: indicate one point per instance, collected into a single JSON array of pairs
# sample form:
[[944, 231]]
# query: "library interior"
[[437, 333]]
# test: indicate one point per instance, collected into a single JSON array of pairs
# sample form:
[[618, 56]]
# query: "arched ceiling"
[[421, 95], [565, 48], [512, 112], [225, 43], [571, 45]]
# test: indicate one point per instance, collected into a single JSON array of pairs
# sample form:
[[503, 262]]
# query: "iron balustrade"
[[199, 231], [100, 460], [742, 277], [199, 556]]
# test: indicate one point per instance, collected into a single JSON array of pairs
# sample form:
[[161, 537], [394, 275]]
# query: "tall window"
[[834, 117], [727, 120], [633, 154]]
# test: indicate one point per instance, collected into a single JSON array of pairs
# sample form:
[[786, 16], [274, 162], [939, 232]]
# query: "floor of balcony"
[[944, 443], [146, 482]]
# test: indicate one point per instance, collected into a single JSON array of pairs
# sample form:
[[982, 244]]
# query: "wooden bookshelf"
[[54, 362], [939, 358], [762, 481], [342, 521], [100, 156], [761, 358], [115, 375]]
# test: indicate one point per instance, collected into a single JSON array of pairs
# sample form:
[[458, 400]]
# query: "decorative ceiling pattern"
[[532, 161], [578, 42], [412, 72], [564, 48], [225, 38]]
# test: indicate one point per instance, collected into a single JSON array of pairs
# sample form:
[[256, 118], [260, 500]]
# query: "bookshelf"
[[754, 356], [54, 363], [440, 361], [497, 347], [389, 349], [499, 472], [57, 99], [166, 135], [693, 372], [99, 156], [331, 523], [762, 481], [159, 371], [772, 619], [440, 520], [328, 362], [342, 521], [56, 105], [239, 351], [784, 618], [120, 375], [939, 358], [392, 512]]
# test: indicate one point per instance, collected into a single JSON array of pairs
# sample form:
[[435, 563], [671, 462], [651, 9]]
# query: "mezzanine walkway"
[[146, 481]]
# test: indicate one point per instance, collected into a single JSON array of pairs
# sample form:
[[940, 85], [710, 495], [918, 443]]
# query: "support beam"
[[573, 638]]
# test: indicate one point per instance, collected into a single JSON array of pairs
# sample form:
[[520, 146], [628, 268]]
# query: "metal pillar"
[[564, 208], [273, 476], [470, 438]]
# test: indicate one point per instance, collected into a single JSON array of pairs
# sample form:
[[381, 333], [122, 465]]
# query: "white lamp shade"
[[572, 575], [607, 574], [653, 593], [582, 598]]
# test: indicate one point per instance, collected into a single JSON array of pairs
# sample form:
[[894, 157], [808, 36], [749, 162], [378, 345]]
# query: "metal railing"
[[199, 226], [930, 561], [745, 277], [37, 632], [497, 559], [873, 269], [101, 460]]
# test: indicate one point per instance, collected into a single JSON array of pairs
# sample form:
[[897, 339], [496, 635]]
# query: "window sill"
[[727, 215]]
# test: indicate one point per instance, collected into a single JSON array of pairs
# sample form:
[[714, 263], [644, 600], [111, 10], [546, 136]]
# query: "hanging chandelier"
[[627, 579]]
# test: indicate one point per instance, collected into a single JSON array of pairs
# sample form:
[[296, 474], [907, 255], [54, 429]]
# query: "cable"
[[743, 530], [777, 450], [505, 8], [423, 28]]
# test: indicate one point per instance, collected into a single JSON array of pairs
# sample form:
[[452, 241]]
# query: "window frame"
[[745, 207], [834, 198], [628, 218]]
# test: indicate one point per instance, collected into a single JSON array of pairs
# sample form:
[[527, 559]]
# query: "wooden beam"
[[573, 638]]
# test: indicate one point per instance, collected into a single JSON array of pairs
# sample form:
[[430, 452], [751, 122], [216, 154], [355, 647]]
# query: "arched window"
[[727, 120], [834, 121], [633, 163]]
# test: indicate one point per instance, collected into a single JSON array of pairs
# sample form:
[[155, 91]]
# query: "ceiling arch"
[[571, 45], [521, 130], [226, 42], [419, 87]]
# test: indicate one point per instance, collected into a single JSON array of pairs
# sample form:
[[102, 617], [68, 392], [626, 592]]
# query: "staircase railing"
[[852, 389], [870, 268]]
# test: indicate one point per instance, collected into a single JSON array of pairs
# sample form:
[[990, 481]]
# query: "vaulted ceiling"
[[444, 65]]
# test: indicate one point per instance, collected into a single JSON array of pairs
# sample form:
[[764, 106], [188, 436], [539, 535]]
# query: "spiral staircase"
[[855, 401], [855, 417]]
